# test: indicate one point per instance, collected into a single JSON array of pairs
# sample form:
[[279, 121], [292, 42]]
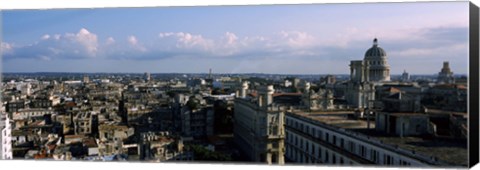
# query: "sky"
[[281, 39]]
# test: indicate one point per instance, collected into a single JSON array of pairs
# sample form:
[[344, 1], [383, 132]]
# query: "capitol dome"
[[376, 63], [375, 51]]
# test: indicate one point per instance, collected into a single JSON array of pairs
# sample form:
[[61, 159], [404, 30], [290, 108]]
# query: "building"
[[7, 152], [320, 100], [146, 77], [85, 123], [404, 124], [197, 118], [359, 93], [328, 79], [445, 75], [365, 75], [376, 63], [258, 128], [86, 79], [405, 76], [111, 139], [334, 137], [162, 147]]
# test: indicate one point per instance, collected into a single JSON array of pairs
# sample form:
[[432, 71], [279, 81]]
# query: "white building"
[[376, 62], [365, 75], [7, 139]]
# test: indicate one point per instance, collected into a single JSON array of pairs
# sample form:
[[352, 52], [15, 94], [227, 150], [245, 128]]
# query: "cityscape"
[[364, 109]]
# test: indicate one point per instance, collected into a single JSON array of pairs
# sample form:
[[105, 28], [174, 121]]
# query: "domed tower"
[[376, 60]]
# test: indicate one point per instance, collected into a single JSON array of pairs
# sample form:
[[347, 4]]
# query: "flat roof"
[[337, 119], [448, 150]]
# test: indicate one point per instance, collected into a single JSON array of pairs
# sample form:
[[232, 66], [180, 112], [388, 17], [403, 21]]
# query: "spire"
[[375, 42]]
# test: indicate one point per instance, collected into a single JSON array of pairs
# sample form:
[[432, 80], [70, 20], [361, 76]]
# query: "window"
[[352, 147], [313, 149], [342, 143], [326, 156], [362, 150], [319, 152], [301, 143], [326, 137], [387, 160], [334, 140], [374, 155], [275, 144]]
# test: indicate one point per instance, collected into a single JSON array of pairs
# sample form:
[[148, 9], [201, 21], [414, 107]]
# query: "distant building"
[[85, 123], [321, 100], [445, 75], [146, 77], [86, 79], [293, 81], [329, 79], [15, 105], [405, 76]]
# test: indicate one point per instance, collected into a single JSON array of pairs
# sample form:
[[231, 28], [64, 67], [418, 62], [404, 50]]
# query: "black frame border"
[[473, 118]]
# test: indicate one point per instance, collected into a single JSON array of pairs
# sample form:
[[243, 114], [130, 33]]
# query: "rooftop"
[[448, 150]]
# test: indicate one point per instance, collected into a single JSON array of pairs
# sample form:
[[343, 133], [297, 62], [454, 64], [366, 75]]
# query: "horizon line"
[[56, 72]]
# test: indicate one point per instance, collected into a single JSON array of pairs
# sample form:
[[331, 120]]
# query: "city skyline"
[[283, 39]]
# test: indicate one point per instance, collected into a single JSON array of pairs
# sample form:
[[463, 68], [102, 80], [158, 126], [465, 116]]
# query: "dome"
[[375, 51]]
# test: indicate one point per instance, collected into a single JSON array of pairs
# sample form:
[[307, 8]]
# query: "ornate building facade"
[[258, 127], [376, 63], [445, 75], [365, 74]]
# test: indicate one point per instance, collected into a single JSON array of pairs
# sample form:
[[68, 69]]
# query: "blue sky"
[[290, 39]]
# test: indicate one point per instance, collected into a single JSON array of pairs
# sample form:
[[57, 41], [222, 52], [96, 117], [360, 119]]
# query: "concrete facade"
[[258, 127], [310, 141]]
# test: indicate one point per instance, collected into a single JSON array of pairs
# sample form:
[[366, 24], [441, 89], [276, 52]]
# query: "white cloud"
[[44, 58], [297, 39], [109, 41], [342, 46], [231, 38], [132, 40], [440, 51], [45, 37], [193, 41], [56, 36], [85, 38], [6, 49]]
